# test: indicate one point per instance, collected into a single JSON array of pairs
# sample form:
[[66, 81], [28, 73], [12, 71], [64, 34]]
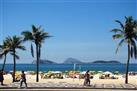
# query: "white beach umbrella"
[[100, 71], [56, 72], [107, 72], [26, 72], [83, 72]]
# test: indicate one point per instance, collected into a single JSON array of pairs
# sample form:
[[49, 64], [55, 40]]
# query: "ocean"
[[68, 67]]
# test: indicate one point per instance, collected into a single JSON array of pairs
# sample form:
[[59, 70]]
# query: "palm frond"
[[135, 52], [131, 51], [122, 26], [16, 56], [129, 19], [117, 30], [4, 48], [14, 43], [39, 28], [117, 36], [32, 51], [1, 55], [119, 44], [21, 47], [0, 46], [34, 29], [133, 44], [37, 36], [27, 35]]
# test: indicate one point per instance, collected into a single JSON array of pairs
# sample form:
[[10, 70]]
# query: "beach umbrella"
[[83, 72], [92, 71], [10, 71], [40, 72], [56, 72], [107, 72], [66, 72], [116, 72], [26, 72], [99, 72]]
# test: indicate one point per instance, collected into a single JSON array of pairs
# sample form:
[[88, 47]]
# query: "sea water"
[[67, 67]]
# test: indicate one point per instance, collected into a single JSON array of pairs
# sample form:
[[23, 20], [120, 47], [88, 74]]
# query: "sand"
[[95, 80]]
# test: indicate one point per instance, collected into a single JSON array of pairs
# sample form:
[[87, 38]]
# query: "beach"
[[95, 80], [68, 44], [68, 83]]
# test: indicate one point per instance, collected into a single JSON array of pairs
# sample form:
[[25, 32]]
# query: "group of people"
[[22, 79]]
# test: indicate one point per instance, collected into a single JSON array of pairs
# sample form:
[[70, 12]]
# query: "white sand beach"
[[95, 80]]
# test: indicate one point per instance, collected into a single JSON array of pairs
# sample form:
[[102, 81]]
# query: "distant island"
[[102, 61], [72, 61], [76, 61], [44, 62]]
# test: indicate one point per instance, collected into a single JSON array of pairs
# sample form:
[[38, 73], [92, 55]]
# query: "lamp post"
[[74, 68]]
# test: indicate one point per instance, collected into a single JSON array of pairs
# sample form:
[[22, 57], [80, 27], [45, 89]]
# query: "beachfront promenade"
[[64, 85], [71, 83]]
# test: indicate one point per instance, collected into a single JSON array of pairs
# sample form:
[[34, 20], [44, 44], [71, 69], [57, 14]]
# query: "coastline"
[[96, 80], [69, 67], [70, 84]]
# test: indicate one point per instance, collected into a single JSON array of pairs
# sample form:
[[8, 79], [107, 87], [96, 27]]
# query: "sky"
[[80, 28]]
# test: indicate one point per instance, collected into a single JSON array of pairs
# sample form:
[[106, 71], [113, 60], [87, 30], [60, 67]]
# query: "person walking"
[[1, 77], [87, 79], [23, 79]]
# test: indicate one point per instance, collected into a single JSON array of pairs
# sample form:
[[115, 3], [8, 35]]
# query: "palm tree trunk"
[[14, 67], [39, 51], [37, 54], [5, 55], [127, 66]]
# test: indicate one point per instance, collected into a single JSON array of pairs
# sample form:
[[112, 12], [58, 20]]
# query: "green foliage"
[[15, 43], [127, 34], [36, 36]]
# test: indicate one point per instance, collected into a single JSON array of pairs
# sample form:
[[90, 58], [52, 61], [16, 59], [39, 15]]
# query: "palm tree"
[[128, 34], [15, 43], [36, 36], [5, 48]]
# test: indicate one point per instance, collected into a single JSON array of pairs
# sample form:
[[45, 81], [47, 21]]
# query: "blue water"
[[64, 67]]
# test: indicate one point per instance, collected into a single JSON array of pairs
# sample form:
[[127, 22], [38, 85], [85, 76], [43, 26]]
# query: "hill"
[[102, 61], [72, 61], [44, 62], [76, 61]]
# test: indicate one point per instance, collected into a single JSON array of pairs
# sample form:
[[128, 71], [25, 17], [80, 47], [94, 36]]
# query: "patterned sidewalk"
[[67, 85]]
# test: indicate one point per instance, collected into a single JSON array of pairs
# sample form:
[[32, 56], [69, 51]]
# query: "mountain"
[[44, 62], [102, 61], [76, 61], [72, 61]]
